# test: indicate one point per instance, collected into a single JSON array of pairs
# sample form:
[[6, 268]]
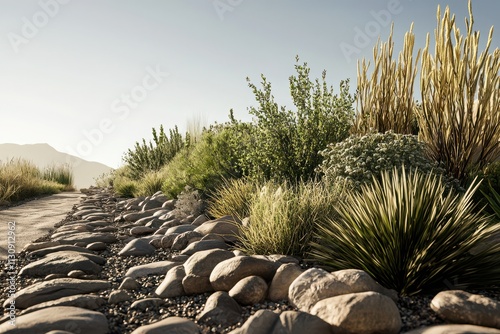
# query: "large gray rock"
[[229, 272], [226, 227], [290, 322], [316, 284], [65, 318], [86, 238], [184, 239], [285, 275], [199, 267], [118, 296], [461, 307], [61, 263], [58, 248], [153, 268], [361, 313], [250, 290], [54, 289], [172, 325], [89, 302], [454, 329], [137, 247], [220, 309], [172, 284]]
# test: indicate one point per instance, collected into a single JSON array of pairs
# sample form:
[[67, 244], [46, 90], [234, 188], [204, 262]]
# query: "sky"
[[92, 77]]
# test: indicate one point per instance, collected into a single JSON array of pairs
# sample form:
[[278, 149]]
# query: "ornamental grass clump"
[[411, 234], [385, 99], [283, 217], [233, 198], [459, 117]]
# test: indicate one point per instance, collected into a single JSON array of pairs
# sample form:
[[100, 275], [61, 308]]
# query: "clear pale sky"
[[92, 77]]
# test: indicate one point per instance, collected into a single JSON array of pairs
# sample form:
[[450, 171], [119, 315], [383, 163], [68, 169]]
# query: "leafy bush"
[[379, 110], [411, 234], [286, 143], [283, 217], [233, 198], [459, 118], [205, 164], [357, 160], [154, 155]]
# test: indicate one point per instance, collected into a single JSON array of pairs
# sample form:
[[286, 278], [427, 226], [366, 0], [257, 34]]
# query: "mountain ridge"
[[43, 155]]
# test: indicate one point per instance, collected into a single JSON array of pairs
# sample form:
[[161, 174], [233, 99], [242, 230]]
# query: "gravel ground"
[[415, 311]]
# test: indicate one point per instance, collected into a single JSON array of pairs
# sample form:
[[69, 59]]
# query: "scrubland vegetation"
[[20, 180], [405, 190]]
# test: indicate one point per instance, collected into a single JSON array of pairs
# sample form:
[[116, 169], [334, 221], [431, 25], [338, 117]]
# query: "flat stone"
[[137, 247], [60, 263], [202, 245], [180, 229], [141, 230], [153, 268], [54, 289], [89, 302], [97, 246], [33, 246], [58, 248], [362, 313], [87, 238], [172, 325], [65, 318], [147, 303], [229, 272], [461, 307]]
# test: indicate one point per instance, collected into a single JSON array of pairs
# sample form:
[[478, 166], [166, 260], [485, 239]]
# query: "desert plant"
[[154, 155], [411, 234], [233, 198], [358, 159], [283, 217], [286, 143], [385, 100], [190, 202], [459, 118], [122, 184], [150, 183]]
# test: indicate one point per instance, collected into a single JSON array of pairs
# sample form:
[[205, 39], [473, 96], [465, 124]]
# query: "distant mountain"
[[42, 155]]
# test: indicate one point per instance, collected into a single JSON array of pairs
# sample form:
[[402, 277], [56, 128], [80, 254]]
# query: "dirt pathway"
[[34, 219]]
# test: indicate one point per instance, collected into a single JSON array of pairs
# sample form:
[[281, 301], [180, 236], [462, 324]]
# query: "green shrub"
[[154, 155], [285, 143], [205, 164], [283, 217], [122, 184], [357, 160], [411, 234], [233, 198]]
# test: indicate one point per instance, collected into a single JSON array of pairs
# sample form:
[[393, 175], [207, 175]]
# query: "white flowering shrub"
[[358, 158]]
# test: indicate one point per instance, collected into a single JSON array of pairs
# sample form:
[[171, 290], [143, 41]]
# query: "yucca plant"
[[411, 234], [283, 217], [493, 198], [385, 100], [460, 87]]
